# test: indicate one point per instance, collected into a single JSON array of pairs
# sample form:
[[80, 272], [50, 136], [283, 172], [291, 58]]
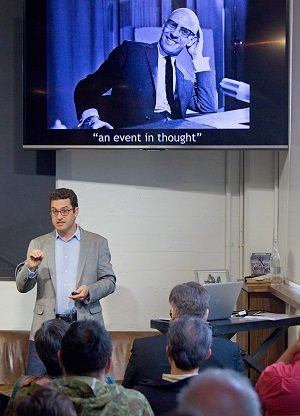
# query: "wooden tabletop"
[[286, 293], [6, 389]]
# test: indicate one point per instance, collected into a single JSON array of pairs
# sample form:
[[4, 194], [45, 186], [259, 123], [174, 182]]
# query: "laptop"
[[223, 298]]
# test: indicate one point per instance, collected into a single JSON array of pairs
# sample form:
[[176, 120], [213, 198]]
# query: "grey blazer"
[[94, 270]]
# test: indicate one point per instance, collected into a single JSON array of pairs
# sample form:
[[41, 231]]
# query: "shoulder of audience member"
[[23, 392], [130, 401]]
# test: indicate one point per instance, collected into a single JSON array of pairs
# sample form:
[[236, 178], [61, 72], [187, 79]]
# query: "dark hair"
[[189, 339], [64, 193], [48, 342], [189, 298], [85, 348], [44, 401]]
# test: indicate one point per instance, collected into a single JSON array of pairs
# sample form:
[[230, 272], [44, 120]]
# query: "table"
[[232, 326], [232, 119]]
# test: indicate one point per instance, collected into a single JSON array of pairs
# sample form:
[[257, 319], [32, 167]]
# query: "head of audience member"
[[48, 342], [189, 341], [44, 401], [220, 392], [86, 350], [179, 31], [189, 298]]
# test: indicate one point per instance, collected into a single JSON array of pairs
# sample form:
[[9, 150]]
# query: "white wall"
[[259, 201], [163, 214], [293, 242], [15, 308], [167, 213]]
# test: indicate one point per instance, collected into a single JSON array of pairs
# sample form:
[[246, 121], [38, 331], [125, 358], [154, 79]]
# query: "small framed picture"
[[211, 276], [260, 263]]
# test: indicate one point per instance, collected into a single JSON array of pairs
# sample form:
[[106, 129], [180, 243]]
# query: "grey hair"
[[189, 298], [220, 391]]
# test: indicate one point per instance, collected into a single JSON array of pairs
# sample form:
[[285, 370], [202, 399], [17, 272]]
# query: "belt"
[[67, 318]]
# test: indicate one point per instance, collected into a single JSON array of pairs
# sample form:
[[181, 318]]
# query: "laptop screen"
[[223, 298]]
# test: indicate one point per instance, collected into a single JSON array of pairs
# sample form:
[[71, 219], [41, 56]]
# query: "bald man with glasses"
[[71, 269], [146, 81]]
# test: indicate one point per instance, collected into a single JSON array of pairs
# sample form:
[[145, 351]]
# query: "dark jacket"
[[162, 394], [131, 73], [148, 358]]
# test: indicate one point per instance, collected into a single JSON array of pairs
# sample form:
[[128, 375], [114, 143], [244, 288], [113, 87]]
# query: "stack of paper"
[[266, 278]]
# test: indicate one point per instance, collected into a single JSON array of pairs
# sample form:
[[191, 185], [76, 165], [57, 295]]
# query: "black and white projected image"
[[149, 74]]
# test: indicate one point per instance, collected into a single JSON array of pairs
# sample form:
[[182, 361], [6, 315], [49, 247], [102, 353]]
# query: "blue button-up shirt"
[[66, 263]]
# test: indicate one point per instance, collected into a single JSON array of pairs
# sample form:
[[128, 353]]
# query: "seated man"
[[85, 356], [148, 359], [188, 344], [47, 341], [279, 384], [216, 392], [147, 82]]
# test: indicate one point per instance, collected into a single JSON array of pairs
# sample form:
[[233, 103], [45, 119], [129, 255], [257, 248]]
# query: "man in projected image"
[[146, 81], [71, 269]]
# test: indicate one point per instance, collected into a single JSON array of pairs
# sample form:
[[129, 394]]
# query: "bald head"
[[220, 392], [186, 18], [179, 31]]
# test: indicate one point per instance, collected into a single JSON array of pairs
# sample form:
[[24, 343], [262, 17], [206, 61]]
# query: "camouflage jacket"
[[94, 397], [20, 393]]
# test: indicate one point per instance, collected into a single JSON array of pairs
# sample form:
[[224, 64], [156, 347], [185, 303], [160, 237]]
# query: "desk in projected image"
[[233, 119]]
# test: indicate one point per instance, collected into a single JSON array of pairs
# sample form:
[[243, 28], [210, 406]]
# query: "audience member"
[[188, 344], [279, 384], [48, 341], [148, 359], [3, 402], [45, 402], [85, 356], [178, 412], [220, 392]]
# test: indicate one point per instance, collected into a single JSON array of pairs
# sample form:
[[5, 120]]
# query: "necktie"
[[169, 88]]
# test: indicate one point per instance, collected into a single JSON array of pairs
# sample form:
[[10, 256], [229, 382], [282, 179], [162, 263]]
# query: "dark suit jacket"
[[131, 72], [148, 358], [162, 394]]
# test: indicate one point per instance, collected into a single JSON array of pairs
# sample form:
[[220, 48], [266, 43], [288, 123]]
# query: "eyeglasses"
[[184, 32], [64, 212]]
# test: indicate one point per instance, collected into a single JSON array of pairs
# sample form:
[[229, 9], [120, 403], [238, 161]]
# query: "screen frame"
[[38, 136]]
